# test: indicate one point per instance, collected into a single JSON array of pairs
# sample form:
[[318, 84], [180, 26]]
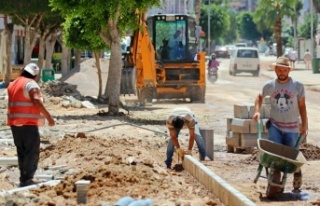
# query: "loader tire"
[[141, 97], [272, 191], [149, 94], [145, 95], [197, 94]]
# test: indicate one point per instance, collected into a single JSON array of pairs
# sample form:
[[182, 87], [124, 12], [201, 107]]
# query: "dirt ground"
[[123, 156]]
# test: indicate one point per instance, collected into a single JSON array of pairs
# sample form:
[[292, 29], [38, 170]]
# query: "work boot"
[[28, 183], [297, 180], [168, 166], [201, 158]]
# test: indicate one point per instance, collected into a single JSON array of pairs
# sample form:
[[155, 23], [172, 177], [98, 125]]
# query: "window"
[[248, 53]]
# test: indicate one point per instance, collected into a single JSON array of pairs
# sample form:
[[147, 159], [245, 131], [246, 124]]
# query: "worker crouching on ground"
[[287, 97], [25, 113], [183, 117]]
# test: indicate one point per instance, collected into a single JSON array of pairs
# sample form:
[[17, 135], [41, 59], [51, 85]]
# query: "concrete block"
[[240, 125], [266, 108], [241, 111], [252, 110], [233, 141], [229, 121], [208, 138], [248, 139], [254, 126], [266, 100], [227, 194]]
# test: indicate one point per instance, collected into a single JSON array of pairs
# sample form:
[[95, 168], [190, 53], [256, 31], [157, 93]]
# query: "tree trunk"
[[98, 65], [295, 34], [30, 40], [316, 5], [41, 55], [50, 42], [77, 59], [65, 60], [278, 30], [9, 32], [114, 77]]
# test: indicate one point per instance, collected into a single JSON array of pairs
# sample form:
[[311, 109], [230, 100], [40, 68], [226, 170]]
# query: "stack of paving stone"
[[242, 130]]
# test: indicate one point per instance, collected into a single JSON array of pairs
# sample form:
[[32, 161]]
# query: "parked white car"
[[245, 59]]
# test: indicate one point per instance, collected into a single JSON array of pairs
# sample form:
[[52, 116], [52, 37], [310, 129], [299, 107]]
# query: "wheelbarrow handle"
[[300, 140], [259, 128]]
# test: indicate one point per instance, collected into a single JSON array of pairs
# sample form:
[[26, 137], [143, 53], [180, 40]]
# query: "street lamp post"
[[312, 38], [209, 40]]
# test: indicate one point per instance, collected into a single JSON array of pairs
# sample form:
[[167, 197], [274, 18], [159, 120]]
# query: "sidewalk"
[[307, 77]]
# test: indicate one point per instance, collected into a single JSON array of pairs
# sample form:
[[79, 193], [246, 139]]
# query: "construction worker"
[[25, 113], [293, 57], [183, 117], [307, 58], [287, 97]]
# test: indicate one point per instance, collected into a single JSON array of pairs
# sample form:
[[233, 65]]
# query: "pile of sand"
[[86, 77]]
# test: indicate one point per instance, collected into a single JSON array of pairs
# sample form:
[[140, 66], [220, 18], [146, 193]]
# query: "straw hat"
[[281, 61]]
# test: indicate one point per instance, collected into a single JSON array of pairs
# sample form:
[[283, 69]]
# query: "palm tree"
[[197, 10], [294, 18], [316, 5], [272, 12]]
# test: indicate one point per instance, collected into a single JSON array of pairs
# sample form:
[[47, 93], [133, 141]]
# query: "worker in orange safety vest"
[[25, 113]]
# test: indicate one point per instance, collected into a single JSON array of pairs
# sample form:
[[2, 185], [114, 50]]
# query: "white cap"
[[32, 69]]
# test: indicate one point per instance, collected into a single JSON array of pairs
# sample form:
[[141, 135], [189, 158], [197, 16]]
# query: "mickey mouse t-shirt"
[[284, 98]]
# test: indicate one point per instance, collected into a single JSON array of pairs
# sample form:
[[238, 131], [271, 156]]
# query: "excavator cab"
[[173, 37], [163, 62]]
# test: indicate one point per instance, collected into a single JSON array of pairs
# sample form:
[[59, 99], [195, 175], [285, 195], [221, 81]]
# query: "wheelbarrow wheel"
[[273, 190]]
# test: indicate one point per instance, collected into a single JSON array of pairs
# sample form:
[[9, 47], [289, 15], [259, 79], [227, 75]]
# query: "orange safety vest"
[[21, 110]]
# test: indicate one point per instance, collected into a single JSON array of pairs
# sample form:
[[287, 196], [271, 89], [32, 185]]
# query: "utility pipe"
[[48, 183], [120, 124], [10, 161]]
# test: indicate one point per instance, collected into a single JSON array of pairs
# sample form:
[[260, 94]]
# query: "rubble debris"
[[310, 152]]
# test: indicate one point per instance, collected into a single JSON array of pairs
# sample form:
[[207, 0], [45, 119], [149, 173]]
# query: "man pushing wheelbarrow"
[[287, 99]]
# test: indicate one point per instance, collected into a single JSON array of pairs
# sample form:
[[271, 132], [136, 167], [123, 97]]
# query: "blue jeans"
[[285, 138], [198, 139]]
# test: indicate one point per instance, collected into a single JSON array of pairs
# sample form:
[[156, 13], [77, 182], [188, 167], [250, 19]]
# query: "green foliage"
[[22, 7], [82, 35], [269, 14], [304, 30], [219, 20], [290, 42], [103, 12], [247, 27], [232, 34], [268, 10]]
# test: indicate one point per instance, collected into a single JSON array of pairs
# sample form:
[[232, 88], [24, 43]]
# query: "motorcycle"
[[212, 74]]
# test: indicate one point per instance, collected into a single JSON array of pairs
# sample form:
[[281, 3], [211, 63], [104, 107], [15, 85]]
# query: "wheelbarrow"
[[278, 159]]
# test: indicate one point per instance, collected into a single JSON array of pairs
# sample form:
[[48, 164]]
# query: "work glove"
[[180, 153], [188, 152]]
